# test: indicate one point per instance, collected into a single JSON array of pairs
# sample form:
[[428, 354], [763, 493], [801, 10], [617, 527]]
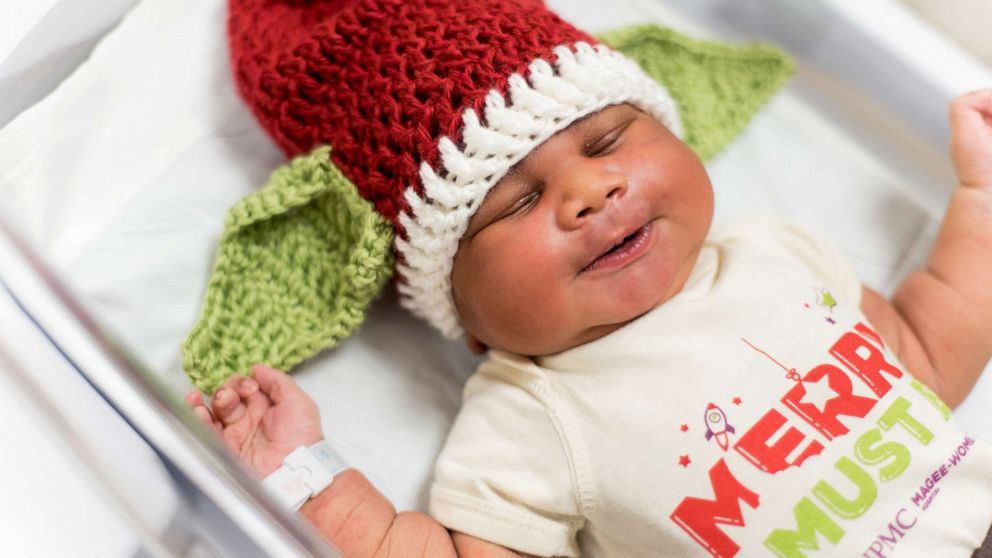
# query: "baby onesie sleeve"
[[505, 473]]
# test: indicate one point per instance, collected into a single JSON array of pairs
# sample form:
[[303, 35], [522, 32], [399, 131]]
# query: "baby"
[[615, 320]]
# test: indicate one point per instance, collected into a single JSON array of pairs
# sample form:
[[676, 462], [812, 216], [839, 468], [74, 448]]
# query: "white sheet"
[[122, 176], [42, 41]]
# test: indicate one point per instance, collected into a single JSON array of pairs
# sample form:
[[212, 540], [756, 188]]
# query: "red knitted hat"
[[426, 104]]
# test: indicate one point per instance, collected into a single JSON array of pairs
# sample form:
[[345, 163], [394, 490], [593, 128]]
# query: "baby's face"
[[594, 228]]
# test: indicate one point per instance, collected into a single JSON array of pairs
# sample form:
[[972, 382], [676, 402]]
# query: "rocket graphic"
[[716, 425]]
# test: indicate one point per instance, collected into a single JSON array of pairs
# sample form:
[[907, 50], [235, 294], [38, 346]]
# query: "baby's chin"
[[537, 344]]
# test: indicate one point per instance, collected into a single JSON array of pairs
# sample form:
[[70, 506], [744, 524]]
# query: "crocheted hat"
[[425, 105]]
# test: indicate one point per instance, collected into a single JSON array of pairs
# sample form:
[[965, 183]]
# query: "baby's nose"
[[584, 194]]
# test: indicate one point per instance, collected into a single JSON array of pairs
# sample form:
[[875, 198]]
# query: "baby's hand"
[[262, 419], [971, 138]]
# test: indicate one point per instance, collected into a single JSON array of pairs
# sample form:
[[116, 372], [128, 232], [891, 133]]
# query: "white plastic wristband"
[[304, 473]]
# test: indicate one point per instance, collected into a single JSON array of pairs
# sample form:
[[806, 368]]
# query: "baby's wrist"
[[305, 472]]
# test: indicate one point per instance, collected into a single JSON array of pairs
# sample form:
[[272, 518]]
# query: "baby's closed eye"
[[523, 203], [605, 144]]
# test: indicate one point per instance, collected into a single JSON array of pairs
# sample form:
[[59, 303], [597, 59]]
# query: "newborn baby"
[[655, 387], [652, 386]]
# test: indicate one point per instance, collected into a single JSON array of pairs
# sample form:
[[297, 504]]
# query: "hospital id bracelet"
[[304, 473]]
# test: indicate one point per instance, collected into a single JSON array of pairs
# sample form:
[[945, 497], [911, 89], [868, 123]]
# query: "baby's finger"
[[233, 382], [193, 398], [980, 101], [245, 387], [971, 109], [275, 383], [256, 401], [206, 418], [227, 406]]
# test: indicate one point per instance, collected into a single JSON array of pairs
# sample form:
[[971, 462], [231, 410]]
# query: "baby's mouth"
[[626, 250]]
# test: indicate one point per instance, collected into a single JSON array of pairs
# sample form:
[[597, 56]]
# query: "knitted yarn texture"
[[382, 80], [718, 87], [427, 103], [298, 264], [300, 260]]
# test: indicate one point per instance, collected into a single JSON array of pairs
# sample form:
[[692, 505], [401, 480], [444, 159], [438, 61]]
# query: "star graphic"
[[685, 428], [737, 400], [684, 460], [818, 393]]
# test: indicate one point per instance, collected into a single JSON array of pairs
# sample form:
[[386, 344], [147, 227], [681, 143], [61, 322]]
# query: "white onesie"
[[754, 414]]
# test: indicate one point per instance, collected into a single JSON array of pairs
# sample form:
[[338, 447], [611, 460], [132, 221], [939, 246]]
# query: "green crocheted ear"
[[298, 264], [717, 87]]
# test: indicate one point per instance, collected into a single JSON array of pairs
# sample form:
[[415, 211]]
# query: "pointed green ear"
[[717, 87], [298, 264]]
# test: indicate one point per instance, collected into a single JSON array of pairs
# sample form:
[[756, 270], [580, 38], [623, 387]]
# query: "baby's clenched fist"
[[971, 138]]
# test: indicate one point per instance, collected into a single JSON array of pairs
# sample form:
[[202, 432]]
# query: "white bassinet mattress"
[[121, 177]]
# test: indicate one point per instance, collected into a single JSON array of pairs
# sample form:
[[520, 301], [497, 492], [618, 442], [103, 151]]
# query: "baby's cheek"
[[541, 295], [521, 284]]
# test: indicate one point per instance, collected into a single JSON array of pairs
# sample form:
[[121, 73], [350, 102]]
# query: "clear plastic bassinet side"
[[101, 456]]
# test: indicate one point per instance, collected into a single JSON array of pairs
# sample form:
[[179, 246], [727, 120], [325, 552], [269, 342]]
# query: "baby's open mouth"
[[624, 251]]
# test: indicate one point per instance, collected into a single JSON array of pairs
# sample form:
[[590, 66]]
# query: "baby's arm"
[[940, 320], [264, 418]]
